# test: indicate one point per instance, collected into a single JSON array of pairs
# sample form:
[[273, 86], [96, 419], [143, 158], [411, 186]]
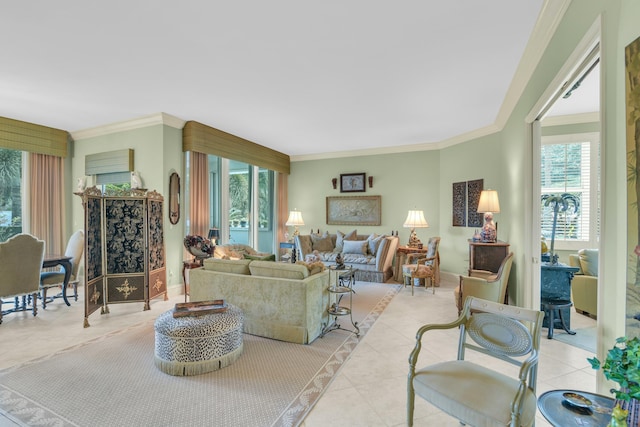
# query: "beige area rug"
[[112, 380]]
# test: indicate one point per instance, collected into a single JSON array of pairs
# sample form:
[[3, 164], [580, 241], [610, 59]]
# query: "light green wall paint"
[[157, 151], [405, 181], [503, 160]]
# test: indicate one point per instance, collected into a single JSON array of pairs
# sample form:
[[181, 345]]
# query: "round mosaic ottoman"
[[193, 345]]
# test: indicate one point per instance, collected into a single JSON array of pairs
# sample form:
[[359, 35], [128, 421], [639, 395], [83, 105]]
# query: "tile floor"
[[370, 388]]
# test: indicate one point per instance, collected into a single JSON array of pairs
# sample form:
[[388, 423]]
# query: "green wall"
[[157, 153], [404, 181], [503, 160]]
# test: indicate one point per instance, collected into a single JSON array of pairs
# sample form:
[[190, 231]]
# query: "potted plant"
[[622, 366], [559, 202]]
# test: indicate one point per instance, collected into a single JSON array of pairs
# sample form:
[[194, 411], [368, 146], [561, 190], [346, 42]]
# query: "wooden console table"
[[487, 256]]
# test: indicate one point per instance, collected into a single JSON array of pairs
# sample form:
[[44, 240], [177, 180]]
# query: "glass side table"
[[343, 285], [561, 412]]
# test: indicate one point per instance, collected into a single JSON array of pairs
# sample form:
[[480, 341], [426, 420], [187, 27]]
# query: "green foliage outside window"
[[10, 195]]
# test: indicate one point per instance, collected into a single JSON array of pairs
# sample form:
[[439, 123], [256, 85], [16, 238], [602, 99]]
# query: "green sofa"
[[279, 300], [584, 286]]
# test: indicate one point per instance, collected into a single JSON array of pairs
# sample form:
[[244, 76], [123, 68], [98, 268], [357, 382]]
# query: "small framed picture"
[[352, 182]]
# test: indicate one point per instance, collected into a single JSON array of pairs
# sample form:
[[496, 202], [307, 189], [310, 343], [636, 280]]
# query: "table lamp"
[[214, 234], [415, 219], [295, 220], [489, 204]]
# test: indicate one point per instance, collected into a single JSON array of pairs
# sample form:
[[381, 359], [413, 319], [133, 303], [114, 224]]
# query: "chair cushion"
[[51, 278], [473, 394], [589, 261]]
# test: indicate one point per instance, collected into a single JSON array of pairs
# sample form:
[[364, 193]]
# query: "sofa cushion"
[[278, 269], [240, 266], [270, 257], [355, 247], [321, 242], [341, 237], [374, 241], [305, 243], [589, 261]]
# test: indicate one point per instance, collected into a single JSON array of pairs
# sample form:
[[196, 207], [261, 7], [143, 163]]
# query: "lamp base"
[[414, 242]]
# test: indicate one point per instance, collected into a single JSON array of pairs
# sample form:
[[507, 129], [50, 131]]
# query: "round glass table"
[[566, 408]]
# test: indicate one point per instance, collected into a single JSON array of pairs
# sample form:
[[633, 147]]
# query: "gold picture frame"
[[354, 210]]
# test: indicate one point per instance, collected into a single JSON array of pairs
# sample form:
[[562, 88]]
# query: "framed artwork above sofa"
[[354, 210]]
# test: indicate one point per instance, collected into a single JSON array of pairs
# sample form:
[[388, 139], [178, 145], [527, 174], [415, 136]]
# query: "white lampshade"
[[415, 219], [489, 201], [295, 219]]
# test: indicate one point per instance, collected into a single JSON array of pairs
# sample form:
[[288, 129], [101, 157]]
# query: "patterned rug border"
[[295, 413], [34, 413]]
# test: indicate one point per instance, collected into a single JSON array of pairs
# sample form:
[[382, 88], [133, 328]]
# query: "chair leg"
[[411, 398], [43, 293], [35, 304]]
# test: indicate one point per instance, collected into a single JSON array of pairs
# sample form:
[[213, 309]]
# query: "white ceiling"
[[299, 77]]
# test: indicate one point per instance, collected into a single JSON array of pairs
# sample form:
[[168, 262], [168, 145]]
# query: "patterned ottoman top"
[[200, 326]]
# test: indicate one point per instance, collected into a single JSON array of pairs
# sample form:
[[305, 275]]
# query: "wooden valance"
[[24, 136], [208, 140]]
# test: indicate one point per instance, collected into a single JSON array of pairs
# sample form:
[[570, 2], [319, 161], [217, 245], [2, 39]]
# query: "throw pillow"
[[304, 243], [589, 261], [341, 237], [374, 241], [321, 243], [355, 247]]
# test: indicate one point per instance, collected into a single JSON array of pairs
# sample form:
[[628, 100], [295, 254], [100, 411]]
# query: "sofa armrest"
[[386, 253]]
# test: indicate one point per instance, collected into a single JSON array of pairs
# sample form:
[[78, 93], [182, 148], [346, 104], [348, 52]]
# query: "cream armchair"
[[485, 284], [20, 264], [584, 286]]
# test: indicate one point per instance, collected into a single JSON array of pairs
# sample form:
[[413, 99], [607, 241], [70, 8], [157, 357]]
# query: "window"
[[10, 193], [569, 164]]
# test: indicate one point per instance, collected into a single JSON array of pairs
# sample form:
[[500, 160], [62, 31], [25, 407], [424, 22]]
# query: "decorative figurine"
[[136, 181], [339, 261]]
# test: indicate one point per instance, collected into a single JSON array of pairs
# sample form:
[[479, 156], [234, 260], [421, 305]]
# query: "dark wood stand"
[[487, 256]]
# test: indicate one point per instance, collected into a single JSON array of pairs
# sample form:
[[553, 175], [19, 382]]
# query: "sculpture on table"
[[559, 203], [136, 181], [489, 232], [339, 261]]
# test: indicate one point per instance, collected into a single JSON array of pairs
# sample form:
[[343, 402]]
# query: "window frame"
[[593, 138]]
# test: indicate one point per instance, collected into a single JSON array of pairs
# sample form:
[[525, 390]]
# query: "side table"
[[188, 264], [401, 258], [559, 411], [345, 280]]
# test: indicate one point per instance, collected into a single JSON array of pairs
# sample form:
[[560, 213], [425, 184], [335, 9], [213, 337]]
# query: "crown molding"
[[571, 119], [127, 125], [548, 21]]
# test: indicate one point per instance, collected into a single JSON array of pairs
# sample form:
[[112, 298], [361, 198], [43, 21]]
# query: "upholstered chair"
[[20, 265], [423, 265], [485, 284], [584, 286], [49, 279], [466, 388]]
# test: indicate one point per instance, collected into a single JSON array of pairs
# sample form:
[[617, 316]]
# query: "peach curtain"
[[199, 194], [46, 197]]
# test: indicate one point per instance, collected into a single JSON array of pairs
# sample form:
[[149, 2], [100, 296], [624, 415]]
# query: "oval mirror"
[[174, 198]]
